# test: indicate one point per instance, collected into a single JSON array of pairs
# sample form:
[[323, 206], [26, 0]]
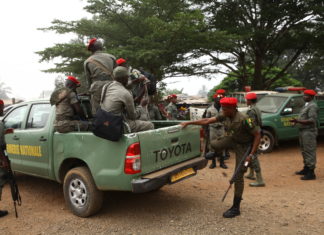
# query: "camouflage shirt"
[[64, 110], [310, 113], [93, 72], [172, 111], [240, 128]]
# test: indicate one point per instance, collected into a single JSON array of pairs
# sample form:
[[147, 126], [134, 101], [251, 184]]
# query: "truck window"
[[38, 115], [270, 104], [296, 103], [15, 118]]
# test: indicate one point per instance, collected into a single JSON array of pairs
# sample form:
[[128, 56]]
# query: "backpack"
[[107, 125], [59, 95]]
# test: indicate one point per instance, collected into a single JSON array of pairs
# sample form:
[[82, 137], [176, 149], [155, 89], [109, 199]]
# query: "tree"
[[242, 33], [4, 91], [231, 83], [152, 34]]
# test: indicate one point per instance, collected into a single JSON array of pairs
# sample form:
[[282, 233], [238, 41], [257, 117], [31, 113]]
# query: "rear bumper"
[[157, 179]]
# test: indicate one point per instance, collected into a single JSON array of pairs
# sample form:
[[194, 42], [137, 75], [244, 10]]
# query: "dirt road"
[[287, 205]]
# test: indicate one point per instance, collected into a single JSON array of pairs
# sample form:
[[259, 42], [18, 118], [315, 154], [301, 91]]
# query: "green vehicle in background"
[[277, 111], [87, 165]]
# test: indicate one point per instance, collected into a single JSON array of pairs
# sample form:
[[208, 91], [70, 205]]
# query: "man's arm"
[[204, 121], [256, 142]]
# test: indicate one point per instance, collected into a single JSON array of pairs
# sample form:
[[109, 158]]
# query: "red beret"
[[1, 102], [120, 61], [173, 96], [228, 102], [310, 92], [251, 96], [73, 79], [91, 42], [215, 96], [220, 91]]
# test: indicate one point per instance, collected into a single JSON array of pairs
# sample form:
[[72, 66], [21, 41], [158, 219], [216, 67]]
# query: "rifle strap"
[[101, 66]]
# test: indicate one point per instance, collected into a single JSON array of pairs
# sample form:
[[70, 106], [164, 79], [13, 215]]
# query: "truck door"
[[291, 110], [15, 119], [35, 141]]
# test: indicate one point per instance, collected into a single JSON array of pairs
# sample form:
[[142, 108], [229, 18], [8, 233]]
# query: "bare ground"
[[287, 205]]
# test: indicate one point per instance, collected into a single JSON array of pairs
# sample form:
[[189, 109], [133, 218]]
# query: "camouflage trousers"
[[66, 126], [255, 164], [307, 141], [138, 125], [240, 150]]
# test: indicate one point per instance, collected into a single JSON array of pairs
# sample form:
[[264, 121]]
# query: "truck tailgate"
[[168, 146]]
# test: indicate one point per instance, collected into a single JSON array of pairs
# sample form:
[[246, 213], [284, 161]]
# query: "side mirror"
[[287, 111]]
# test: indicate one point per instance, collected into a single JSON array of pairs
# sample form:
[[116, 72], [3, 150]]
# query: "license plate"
[[182, 174]]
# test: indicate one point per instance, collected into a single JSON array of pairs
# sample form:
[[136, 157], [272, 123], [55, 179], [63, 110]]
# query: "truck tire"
[[80, 192], [267, 142]]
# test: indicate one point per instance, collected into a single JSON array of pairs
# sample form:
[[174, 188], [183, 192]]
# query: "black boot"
[[213, 164], [310, 175], [234, 210], [3, 213], [303, 171], [222, 163]]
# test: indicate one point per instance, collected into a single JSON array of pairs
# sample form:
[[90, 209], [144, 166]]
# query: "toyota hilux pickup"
[[87, 165]]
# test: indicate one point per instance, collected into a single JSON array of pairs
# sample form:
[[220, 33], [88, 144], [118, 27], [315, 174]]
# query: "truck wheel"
[[267, 142], [80, 192]]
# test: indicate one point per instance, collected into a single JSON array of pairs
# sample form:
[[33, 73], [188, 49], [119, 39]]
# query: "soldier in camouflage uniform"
[[216, 130], [254, 113], [307, 123], [171, 108], [68, 114], [98, 70], [119, 101], [240, 133], [3, 163]]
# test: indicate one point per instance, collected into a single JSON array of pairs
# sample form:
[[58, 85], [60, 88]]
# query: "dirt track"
[[286, 205]]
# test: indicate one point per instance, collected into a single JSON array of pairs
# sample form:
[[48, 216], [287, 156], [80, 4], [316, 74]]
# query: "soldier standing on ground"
[[119, 101], [3, 162], [216, 130], [240, 133], [68, 113], [307, 123], [172, 110], [98, 70], [254, 113]]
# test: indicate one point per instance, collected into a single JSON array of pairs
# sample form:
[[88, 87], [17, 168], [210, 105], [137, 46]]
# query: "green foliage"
[[231, 83], [198, 37], [149, 34]]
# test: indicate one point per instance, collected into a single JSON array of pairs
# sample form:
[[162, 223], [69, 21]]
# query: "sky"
[[20, 68]]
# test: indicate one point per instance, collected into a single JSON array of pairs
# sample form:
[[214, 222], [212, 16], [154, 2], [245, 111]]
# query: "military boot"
[[303, 171], [251, 174], [3, 213], [222, 163], [213, 164], [259, 181], [234, 210], [310, 175]]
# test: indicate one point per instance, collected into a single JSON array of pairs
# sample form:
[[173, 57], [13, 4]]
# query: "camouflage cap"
[[120, 71]]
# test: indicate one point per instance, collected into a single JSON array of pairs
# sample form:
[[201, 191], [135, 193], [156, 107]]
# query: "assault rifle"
[[243, 163], [10, 177]]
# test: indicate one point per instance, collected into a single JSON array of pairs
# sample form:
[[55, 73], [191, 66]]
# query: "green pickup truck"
[[86, 165], [277, 110]]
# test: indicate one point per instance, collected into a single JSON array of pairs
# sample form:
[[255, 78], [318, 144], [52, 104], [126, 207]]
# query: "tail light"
[[133, 159]]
